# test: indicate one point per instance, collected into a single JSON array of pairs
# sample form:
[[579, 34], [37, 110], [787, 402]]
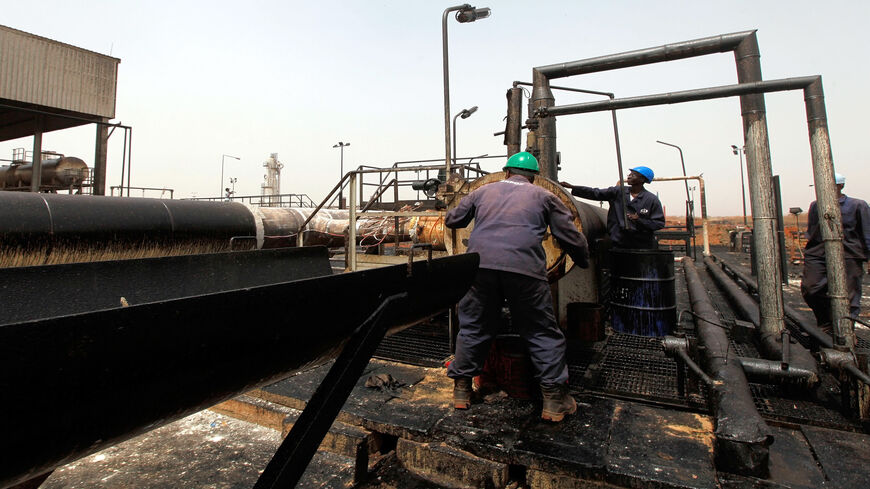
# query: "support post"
[[351, 223], [101, 150], [545, 134], [36, 177], [513, 126]]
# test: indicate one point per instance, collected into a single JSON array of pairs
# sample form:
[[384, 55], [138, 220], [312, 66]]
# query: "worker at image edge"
[[856, 246], [644, 210], [511, 218]]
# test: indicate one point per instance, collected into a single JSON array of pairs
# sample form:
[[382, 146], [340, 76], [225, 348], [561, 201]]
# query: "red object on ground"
[[509, 368]]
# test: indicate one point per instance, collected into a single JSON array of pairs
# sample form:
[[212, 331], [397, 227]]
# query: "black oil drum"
[[642, 296]]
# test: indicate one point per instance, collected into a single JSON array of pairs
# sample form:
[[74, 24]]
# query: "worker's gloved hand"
[[581, 261], [566, 185]]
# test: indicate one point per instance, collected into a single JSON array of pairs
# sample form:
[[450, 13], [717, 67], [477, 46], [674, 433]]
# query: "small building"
[[46, 85]]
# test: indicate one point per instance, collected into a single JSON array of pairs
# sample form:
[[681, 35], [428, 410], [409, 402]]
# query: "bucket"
[[509, 368], [585, 321], [642, 297]]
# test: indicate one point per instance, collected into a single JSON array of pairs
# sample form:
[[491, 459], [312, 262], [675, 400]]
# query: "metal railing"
[[280, 200]]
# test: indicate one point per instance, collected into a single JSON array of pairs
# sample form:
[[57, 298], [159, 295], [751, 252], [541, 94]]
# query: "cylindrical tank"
[[642, 296], [64, 172]]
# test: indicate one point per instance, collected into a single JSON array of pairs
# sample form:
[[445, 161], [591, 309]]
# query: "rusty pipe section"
[[762, 371], [742, 437], [513, 124], [772, 346]]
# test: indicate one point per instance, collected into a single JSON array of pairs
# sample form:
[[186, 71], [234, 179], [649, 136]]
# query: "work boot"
[[462, 392], [557, 402]]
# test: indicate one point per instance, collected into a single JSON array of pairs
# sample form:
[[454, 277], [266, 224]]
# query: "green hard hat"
[[522, 161]]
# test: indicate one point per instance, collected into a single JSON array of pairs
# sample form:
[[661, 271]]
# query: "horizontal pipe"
[[680, 97], [771, 346], [762, 371], [668, 52], [742, 437], [802, 322], [74, 384]]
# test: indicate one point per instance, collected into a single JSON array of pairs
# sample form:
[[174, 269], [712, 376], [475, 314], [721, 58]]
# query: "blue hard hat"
[[839, 179], [645, 171]]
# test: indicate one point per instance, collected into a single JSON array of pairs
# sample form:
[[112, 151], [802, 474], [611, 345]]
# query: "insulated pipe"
[[668, 52], [760, 189], [709, 93], [545, 132], [830, 220], [817, 334], [742, 437], [771, 346]]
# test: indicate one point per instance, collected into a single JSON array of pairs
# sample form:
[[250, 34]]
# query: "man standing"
[[856, 245], [644, 210], [510, 222]]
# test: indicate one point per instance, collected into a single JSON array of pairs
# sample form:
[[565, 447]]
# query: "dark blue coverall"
[[640, 232], [856, 245], [510, 222]]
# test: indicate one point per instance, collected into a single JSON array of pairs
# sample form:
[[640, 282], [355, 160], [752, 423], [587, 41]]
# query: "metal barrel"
[[643, 297]]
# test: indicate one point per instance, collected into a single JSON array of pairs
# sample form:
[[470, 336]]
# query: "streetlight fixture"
[[340, 194], [464, 13], [223, 159], [465, 114], [739, 153]]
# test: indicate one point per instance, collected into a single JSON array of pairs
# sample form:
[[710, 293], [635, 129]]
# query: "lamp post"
[[223, 160], [341, 145], [739, 153], [465, 114], [464, 13]]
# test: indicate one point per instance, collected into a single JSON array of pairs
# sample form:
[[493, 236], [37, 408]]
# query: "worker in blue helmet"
[[635, 227], [856, 246], [511, 219]]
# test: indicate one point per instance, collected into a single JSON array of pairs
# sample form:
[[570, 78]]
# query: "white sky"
[[202, 79]]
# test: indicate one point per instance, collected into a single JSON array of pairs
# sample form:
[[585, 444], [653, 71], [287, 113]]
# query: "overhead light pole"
[[341, 145], [465, 114], [464, 13], [739, 153], [223, 160]]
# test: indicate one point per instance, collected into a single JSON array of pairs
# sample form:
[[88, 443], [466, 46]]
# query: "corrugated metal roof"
[[37, 70]]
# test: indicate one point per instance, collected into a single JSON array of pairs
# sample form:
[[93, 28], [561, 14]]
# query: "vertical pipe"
[[545, 137], [760, 189], [100, 153], [513, 127], [704, 217], [780, 230], [129, 160], [351, 223], [830, 220], [36, 175], [123, 164]]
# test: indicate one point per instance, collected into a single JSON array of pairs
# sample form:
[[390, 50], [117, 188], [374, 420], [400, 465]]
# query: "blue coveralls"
[[640, 233], [856, 245], [510, 222]]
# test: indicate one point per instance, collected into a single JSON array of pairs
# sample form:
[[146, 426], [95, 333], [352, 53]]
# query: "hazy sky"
[[202, 79]]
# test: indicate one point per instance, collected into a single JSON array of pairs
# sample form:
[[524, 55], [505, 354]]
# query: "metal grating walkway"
[[425, 344]]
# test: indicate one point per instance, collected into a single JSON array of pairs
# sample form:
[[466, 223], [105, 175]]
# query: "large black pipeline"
[[771, 345], [742, 437], [75, 384], [799, 319]]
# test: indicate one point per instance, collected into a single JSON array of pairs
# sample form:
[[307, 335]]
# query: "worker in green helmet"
[[511, 218]]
